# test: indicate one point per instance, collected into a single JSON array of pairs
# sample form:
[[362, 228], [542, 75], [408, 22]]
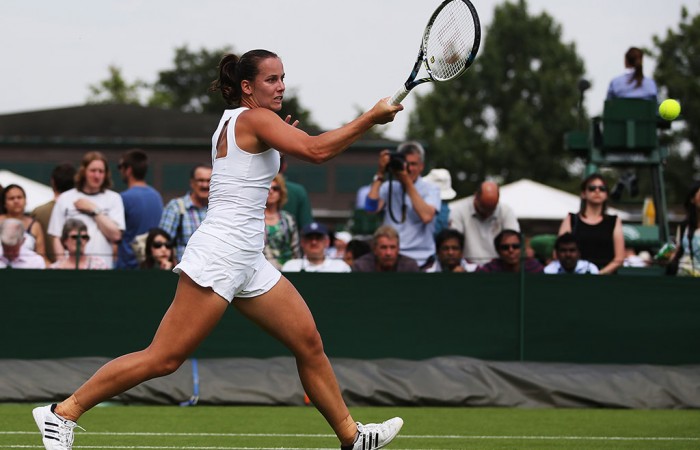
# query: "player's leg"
[[194, 312], [283, 313]]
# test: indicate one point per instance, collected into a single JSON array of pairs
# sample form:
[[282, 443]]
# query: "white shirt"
[[108, 201], [304, 265], [27, 259], [582, 266], [479, 233]]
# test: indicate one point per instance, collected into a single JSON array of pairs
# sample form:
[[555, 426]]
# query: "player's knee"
[[310, 344]]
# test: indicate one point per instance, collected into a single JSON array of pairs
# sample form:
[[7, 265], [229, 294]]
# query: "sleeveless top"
[[240, 183], [595, 241]]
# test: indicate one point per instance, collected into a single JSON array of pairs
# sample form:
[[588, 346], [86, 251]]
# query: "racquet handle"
[[399, 96]]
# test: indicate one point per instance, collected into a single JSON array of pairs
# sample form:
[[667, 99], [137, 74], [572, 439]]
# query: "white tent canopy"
[[37, 193], [536, 201]]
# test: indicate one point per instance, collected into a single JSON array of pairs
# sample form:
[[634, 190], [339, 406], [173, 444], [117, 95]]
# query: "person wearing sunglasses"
[[281, 229], [74, 239], [599, 235], [509, 245], [159, 250]]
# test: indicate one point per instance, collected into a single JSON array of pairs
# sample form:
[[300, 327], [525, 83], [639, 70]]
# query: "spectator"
[[385, 256], [143, 205], [182, 215], [159, 250], [411, 203], [599, 235], [340, 243], [14, 254], [633, 83], [298, 204], [314, 244], [480, 218], [450, 254], [442, 179], [568, 258], [508, 244], [354, 250], [686, 260], [62, 179], [14, 201], [74, 239], [281, 232], [91, 201]]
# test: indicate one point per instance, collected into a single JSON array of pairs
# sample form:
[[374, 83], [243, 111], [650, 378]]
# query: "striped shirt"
[[170, 221]]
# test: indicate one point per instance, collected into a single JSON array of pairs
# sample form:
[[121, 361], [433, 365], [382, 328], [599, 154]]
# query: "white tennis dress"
[[225, 252]]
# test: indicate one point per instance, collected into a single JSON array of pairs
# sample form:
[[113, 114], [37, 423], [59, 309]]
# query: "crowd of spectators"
[[89, 226]]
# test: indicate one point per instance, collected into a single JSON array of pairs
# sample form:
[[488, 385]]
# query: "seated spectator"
[[508, 244], [442, 179], [74, 240], [14, 254], [449, 257], [14, 201], [568, 258], [160, 252], [354, 250], [281, 232], [314, 244], [385, 256], [340, 243]]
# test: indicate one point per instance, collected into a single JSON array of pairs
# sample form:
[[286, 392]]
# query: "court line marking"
[[300, 435]]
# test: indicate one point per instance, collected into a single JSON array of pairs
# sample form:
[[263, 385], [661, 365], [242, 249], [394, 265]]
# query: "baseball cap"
[[314, 228]]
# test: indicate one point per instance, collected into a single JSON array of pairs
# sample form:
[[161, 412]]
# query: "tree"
[[507, 115], [678, 74], [115, 89]]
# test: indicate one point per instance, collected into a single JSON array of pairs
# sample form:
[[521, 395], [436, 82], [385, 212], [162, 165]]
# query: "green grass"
[[228, 428]]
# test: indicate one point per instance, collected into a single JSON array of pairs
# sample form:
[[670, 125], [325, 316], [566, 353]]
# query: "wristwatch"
[[96, 211], [378, 178]]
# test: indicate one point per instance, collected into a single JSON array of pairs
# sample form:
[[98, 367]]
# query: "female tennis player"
[[224, 259]]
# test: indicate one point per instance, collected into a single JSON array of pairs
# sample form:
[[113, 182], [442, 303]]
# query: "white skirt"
[[229, 271]]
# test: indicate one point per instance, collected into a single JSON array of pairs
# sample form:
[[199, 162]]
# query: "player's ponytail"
[[633, 59], [233, 70]]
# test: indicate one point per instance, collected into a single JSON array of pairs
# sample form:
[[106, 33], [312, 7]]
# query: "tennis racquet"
[[450, 43]]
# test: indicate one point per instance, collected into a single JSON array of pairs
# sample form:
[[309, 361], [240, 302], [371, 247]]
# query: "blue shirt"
[[624, 87], [191, 219], [143, 207], [415, 237]]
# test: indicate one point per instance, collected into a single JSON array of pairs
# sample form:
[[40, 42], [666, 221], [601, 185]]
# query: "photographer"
[[410, 202]]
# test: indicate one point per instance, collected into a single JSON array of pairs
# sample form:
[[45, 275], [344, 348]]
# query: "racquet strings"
[[450, 41]]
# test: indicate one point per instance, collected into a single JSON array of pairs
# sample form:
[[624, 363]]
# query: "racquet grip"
[[399, 96]]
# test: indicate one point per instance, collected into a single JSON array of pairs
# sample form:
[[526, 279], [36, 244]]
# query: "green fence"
[[582, 319]]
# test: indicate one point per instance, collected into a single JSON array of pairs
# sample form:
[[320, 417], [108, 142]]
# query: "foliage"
[[506, 117], [678, 74], [115, 89]]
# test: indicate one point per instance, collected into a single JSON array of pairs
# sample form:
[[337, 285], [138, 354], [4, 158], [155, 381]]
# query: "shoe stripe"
[[51, 437]]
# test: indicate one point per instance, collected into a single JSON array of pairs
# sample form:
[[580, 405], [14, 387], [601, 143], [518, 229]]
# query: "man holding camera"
[[409, 202]]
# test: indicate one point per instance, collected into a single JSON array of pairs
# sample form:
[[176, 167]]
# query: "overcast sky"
[[339, 56]]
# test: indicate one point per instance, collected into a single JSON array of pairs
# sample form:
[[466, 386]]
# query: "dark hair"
[[505, 233], [566, 238], [3, 195], [63, 177], [198, 166], [88, 158], [449, 233], [138, 161], [584, 185], [357, 248], [149, 262], [233, 70], [633, 58]]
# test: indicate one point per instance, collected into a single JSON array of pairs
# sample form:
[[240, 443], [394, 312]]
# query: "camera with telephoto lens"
[[397, 162]]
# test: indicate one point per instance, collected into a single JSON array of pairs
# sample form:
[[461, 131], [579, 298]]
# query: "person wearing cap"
[[442, 179], [410, 203], [314, 244], [340, 243], [480, 218]]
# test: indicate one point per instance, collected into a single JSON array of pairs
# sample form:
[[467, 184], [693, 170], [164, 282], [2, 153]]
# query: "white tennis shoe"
[[56, 432], [377, 435]]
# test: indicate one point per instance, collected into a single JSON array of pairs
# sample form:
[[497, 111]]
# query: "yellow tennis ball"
[[669, 109]]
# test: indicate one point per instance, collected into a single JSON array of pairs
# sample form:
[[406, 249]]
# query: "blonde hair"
[[279, 179], [386, 231]]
